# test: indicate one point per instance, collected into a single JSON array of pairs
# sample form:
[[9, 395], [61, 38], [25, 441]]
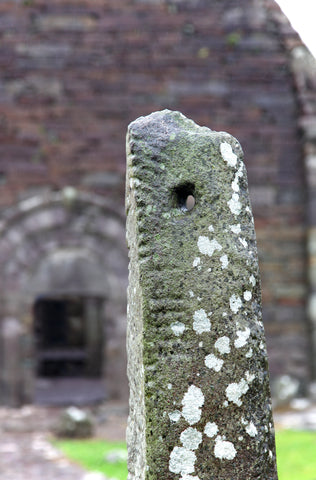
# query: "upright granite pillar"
[[200, 404]]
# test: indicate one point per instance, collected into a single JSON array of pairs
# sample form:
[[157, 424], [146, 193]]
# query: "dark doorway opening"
[[68, 337], [60, 338]]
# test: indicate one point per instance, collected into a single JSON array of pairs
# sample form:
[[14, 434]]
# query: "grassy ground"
[[296, 452], [91, 454]]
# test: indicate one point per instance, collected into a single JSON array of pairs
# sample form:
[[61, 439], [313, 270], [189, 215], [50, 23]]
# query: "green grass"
[[296, 454], [91, 454]]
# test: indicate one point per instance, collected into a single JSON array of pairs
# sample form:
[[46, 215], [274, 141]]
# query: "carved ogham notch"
[[200, 405]]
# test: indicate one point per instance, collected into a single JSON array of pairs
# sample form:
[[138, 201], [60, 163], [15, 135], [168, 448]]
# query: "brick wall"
[[75, 73]]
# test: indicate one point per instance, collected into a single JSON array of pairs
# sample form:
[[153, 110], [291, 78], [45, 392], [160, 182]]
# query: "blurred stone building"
[[73, 74]]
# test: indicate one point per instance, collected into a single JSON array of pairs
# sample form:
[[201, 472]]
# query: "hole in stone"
[[185, 196]]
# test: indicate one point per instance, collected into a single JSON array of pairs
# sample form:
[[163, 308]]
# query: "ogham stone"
[[200, 406]]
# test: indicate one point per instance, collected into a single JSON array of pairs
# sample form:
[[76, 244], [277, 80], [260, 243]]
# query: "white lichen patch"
[[191, 438], [224, 261], [247, 295], [196, 262], [169, 386], [222, 345], [242, 338], [207, 246], [213, 362], [178, 328], [223, 449], [211, 228], [175, 416], [249, 353], [201, 321], [228, 155], [235, 303], [192, 402], [251, 429], [234, 204], [235, 228], [252, 280], [211, 429], [250, 377], [235, 390], [191, 293], [243, 242], [235, 183], [182, 460]]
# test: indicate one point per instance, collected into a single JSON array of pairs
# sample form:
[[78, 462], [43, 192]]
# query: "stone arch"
[[34, 236]]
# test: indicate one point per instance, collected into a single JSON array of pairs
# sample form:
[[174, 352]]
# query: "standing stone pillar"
[[200, 404]]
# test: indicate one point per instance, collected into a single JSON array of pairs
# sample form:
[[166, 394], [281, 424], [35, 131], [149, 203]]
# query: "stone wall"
[[75, 73]]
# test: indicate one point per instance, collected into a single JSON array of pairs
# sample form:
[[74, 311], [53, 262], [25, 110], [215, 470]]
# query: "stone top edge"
[[168, 122]]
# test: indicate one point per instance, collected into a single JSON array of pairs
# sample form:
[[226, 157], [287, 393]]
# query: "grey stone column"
[[197, 364], [12, 394]]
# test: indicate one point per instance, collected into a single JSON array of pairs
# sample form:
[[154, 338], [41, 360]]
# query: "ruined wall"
[[75, 73], [49, 232]]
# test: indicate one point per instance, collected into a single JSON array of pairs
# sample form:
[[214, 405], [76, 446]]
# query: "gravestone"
[[200, 404]]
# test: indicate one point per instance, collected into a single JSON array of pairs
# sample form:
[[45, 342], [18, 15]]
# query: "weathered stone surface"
[[199, 389]]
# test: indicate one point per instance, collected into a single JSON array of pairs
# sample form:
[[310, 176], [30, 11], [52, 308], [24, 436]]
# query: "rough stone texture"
[[200, 400]]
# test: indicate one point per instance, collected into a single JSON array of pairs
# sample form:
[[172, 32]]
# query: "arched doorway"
[[64, 277]]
